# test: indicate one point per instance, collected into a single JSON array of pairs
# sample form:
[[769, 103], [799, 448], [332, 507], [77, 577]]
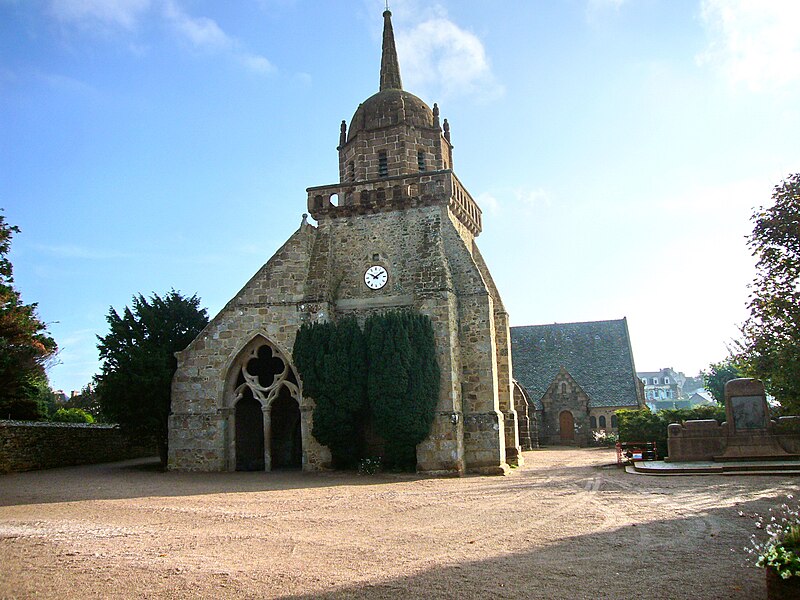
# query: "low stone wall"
[[28, 445], [787, 430], [706, 440], [700, 440]]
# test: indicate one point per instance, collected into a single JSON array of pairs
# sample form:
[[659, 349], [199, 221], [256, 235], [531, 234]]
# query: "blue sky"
[[617, 148]]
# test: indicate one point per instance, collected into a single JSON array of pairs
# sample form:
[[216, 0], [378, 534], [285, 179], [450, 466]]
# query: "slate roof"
[[597, 354]]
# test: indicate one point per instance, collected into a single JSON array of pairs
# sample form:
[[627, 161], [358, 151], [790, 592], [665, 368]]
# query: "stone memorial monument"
[[749, 429], [748, 434]]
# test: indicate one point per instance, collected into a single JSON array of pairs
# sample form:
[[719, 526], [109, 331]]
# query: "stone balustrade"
[[396, 193]]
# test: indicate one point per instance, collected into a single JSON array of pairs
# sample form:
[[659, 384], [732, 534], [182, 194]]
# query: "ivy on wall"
[[386, 374]]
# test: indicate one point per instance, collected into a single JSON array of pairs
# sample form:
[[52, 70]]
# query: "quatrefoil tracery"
[[265, 372]]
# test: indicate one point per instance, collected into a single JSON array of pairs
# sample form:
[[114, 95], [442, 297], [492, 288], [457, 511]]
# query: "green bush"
[[72, 415], [646, 426], [402, 383], [386, 376], [331, 359]]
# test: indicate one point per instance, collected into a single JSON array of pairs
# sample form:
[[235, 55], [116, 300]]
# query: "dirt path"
[[564, 526]]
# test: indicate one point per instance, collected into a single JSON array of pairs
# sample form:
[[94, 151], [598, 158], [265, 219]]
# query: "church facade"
[[397, 231]]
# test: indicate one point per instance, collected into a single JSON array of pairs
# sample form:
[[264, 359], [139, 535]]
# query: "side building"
[[576, 375]]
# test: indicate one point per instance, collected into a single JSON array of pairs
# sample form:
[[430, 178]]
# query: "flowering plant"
[[604, 438], [781, 550]]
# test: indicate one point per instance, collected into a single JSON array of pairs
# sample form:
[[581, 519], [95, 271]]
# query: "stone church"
[[396, 232]]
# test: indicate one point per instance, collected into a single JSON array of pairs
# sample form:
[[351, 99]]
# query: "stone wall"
[[29, 446]]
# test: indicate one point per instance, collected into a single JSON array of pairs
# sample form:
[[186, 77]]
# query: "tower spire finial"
[[390, 67]]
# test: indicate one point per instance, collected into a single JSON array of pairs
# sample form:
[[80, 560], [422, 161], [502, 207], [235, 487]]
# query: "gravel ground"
[[566, 525]]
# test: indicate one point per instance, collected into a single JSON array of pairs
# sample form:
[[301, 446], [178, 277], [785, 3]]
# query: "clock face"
[[376, 277]]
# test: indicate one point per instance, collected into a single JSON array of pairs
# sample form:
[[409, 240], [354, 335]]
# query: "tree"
[[133, 386], [770, 345], [331, 359], [25, 346], [402, 382], [718, 375], [88, 402], [386, 375]]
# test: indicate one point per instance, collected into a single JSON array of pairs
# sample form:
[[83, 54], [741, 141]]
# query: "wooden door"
[[566, 426]]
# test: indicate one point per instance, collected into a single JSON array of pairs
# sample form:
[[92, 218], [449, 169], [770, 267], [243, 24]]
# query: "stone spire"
[[390, 68]]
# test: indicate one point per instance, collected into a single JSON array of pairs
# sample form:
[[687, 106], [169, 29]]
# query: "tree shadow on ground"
[[692, 558]]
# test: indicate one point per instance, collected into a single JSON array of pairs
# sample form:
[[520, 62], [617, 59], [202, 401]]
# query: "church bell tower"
[[398, 231]]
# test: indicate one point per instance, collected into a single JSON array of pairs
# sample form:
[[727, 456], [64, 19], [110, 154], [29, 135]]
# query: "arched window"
[[563, 388], [593, 422], [602, 422], [613, 421]]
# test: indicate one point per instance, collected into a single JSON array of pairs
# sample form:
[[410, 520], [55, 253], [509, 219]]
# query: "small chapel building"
[[397, 231], [575, 376]]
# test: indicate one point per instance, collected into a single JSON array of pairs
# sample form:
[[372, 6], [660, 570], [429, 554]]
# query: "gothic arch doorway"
[[566, 427], [286, 443], [264, 414], [249, 433]]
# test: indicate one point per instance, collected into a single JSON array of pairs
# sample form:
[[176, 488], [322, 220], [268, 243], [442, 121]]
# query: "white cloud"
[[202, 32], [517, 199], [257, 63], [440, 59], [205, 34], [72, 251], [533, 198], [121, 13], [488, 202], [753, 42]]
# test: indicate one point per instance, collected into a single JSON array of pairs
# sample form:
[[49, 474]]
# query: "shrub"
[[402, 383], [386, 376], [605, 439], [369, 466], [645, 426], [331, 359], [72, 415]]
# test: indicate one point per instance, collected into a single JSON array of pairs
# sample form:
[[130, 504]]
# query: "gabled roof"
[[597, 354]]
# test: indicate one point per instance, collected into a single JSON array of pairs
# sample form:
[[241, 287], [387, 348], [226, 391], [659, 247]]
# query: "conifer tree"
[[332, 363], [25, 346], [138, 355], [402, 383]]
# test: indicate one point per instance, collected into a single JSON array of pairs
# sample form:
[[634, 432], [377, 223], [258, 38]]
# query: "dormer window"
[[655, 380], [421, 160], [383, 165], [666, 380]]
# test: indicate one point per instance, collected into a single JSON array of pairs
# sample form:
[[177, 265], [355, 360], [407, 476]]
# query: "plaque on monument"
[[748, 413]]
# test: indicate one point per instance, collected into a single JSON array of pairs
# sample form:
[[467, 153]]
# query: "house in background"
[[576, 375], [663, 388]]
